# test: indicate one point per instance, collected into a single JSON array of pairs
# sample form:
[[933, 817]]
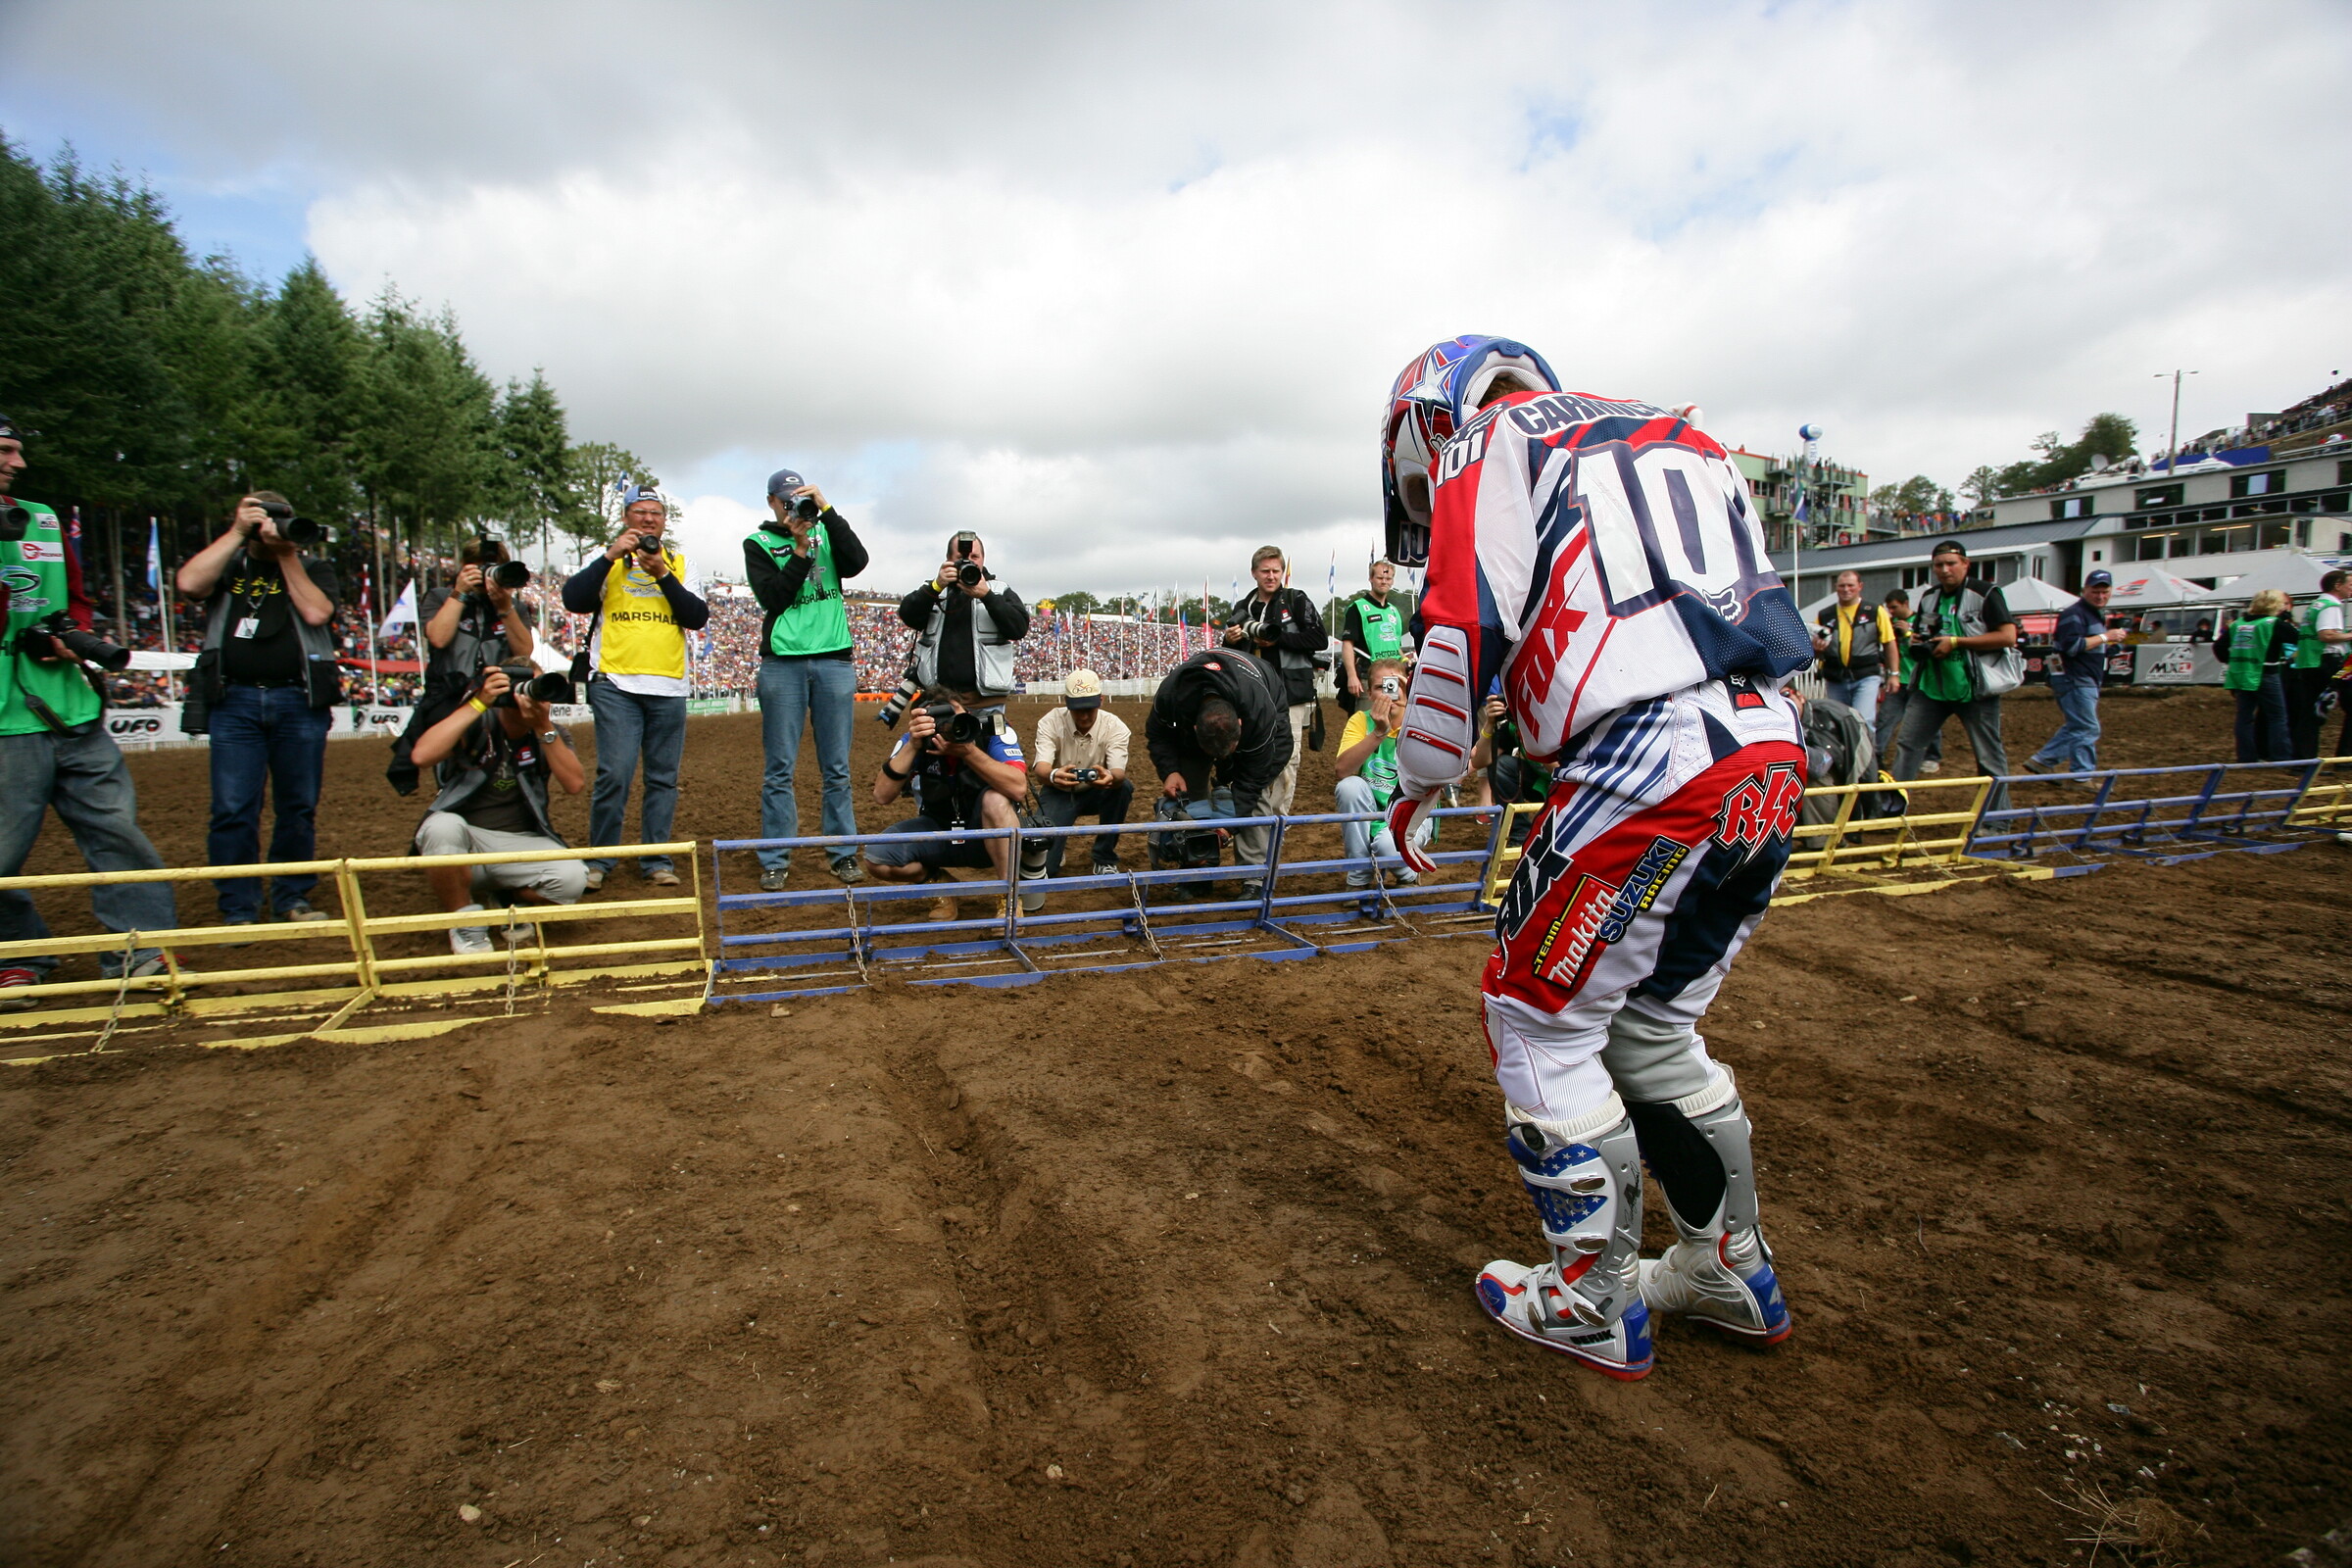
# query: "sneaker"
[[300, 913], [1359, 879], [523, 934], [1407, 876], [2034, 764], [1105, 868], [13, 981], [663, 878], [467, 939], [144, 962], [596, 877], [1930, 767], [243, 920], [773, 880], [1254, 889], [847, 871]]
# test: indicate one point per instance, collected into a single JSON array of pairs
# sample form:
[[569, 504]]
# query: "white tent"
[[2139, 586], [2030, 596], [2297, 572]]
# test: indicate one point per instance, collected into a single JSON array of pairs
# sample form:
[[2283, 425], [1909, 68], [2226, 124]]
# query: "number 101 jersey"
[[1595, 553]]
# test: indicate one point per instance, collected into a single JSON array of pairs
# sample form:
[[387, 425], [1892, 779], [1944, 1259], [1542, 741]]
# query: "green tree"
[[429, 451], [2107, 436], [536, 467], [316, 364], [600, 472]]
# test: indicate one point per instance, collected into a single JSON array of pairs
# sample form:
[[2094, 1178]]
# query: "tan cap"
[[1082, 688]]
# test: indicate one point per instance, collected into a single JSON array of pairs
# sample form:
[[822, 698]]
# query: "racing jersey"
[[1595, 554]]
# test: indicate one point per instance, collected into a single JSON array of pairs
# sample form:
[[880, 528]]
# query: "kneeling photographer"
[[473, 623], [495, 756], [966, 770], [54, 748], [1082, 752]]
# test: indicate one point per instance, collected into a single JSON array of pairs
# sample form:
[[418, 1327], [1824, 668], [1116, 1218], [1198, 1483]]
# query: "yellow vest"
[[640, 634]]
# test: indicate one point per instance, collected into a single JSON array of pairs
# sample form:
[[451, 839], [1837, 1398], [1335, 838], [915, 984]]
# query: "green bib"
[[35, 569], [1384, 628], [2249, 643], [1380, 771], [2310, 651], [1953, 677], [816, 622]]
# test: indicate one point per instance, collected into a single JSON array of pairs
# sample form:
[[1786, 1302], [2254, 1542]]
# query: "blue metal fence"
[[2177, 814]]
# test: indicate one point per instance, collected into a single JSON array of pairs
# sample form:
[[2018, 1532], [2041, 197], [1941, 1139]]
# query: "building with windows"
[[2201, 522], [1840, 513]]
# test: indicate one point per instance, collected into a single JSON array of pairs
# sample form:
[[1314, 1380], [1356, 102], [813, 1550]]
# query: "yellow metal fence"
[[664, 950]]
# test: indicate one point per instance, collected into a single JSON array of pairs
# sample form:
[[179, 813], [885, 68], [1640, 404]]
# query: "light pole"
[[1806, 460], [2172, 460]]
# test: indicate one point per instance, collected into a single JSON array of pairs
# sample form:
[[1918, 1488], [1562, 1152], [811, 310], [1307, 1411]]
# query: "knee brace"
[[1584, 1178], [1697, 1147]]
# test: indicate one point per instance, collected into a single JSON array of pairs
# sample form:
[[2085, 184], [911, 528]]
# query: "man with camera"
[[495, 756], [264, 688], [1371, 629], [473, 623], [807, 664], [1280, 626], [54, 748], [635, 663], [1960, 620], [1368, 770], [964, 765], [2077, 666], [1220, 718], [1856, 649], [1082, 752], [968, 624]]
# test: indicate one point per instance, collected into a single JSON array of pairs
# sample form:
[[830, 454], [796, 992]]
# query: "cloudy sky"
[[1123, 286]]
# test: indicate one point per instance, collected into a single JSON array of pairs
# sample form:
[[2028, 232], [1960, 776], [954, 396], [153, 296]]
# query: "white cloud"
[[1124, 289]]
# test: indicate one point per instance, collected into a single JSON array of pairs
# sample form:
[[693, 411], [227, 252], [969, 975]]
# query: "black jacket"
[[584, 594], [1254, 690], [1297, 636], [777, 587], [957, 650]]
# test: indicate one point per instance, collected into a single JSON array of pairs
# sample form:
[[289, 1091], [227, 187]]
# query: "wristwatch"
[[549, 737]]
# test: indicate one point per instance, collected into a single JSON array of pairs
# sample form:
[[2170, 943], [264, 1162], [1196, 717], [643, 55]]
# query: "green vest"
[[1380, 770], [1953, 677], [1384, 628], [816, 622], [2310, 651], [35, 569], [2249, 645]]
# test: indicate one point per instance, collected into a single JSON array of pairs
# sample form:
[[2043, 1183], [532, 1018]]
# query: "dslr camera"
[[552, 687], [498, 566], [34, 640], [14, 521], [296, 531], [805, 508], [956, 728], [968, 573]]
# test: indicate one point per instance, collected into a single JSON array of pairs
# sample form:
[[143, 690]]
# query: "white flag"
[[403, 611]]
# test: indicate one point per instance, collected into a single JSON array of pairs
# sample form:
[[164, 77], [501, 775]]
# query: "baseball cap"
[[642, 492], [783, 482], [1082, 688], [2100, 579]]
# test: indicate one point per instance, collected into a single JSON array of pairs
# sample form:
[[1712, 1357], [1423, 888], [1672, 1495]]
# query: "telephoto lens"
[[805, 508], [967, 574], [13, 521], [511, 575]]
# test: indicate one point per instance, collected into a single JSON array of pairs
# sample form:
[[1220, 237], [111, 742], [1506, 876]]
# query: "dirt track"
[[1173, 1267]]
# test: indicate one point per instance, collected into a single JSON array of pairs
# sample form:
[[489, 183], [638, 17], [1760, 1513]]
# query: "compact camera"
[[1392, 687], [955, 728], [1087, 777]]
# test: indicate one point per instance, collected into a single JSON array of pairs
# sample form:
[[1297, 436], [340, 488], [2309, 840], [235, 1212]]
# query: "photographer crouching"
[[495, 756], [967, 771], [1083, 752], [473, 623], [54, 748]]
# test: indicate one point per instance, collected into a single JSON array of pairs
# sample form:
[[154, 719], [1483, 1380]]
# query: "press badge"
[[246, 626]]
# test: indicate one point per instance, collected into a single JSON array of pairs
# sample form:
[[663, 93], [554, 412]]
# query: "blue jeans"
[[822, 692], [1860, 695], [266, 736], [629, 728], [84, 778], [1364, 839], [2076, 746], [2262, 722]]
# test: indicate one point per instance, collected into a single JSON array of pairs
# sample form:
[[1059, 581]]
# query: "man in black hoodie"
[[1219, 719]]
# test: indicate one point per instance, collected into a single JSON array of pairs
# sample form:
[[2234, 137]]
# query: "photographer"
[[468, 626], [54, 748], [1370, 629], [1959, 618], [1282, 627], [1082, 752], [264, 688], [968, 625], [495, 756], [1500, 758], [965, 768], [1219, 718], [635, 665], [1368, 770], [1856, 649], [807, 665]]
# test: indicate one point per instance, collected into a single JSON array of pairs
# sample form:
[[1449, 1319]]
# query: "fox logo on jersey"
[[1757, 810]]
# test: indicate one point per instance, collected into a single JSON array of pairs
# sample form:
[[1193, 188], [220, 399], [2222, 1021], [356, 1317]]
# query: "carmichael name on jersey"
[[1597, 553]]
